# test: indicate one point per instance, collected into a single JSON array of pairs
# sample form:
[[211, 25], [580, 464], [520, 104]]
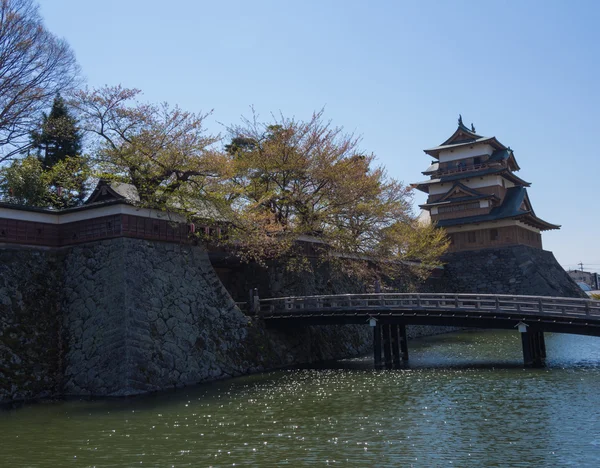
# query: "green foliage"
[[58, 136], [164, 152], [596, 297], [67, 182], [26, 182], [292, 180], [275, 183]]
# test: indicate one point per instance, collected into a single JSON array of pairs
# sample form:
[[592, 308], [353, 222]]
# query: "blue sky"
[[397, 73]]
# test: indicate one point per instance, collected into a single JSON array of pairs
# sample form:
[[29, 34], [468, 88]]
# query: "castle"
[[475, 195]]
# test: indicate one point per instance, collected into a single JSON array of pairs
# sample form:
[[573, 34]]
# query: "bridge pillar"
[[387, 345], [534, 348], [377, 346], [542, 345], [403, 342], [395, 346]]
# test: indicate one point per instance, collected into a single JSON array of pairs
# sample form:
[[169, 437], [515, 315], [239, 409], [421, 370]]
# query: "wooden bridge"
[[389, 313]]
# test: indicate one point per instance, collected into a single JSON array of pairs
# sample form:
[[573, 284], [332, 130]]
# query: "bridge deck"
[[566, 315]]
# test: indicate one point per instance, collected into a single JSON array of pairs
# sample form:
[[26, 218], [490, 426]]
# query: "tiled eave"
[[424, 185], [484, 140], [461, 200], [525, 217]]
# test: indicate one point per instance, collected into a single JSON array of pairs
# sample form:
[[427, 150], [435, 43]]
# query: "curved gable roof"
[[511, 208], [462, 134]]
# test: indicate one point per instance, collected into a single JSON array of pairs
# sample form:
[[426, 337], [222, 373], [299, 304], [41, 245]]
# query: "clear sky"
[[398, 73]]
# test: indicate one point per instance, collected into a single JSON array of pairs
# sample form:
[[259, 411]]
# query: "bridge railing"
[[380, 302]]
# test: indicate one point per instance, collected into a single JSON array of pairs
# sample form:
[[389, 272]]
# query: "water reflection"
[[464, 400]]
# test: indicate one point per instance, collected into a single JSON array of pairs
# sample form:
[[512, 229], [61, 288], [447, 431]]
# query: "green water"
[[464, 401]]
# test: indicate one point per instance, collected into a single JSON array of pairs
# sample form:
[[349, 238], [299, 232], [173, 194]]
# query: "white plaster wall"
[[80, 215], [464, 152], [508, 183]]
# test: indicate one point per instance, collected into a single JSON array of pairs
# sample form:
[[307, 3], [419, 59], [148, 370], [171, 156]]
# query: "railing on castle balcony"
[[470, 168]]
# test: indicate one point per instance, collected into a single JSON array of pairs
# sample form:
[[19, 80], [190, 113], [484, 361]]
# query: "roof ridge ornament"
[[472, 127], [460, 122]]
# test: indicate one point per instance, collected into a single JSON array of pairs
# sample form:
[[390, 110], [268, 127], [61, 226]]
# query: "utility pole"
[[581, 266]]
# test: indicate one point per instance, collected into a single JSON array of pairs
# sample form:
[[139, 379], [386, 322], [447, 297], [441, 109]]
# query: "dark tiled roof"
[[505, 154], [433, 168], [500, 155], [472, 136], [483, 172], [510, 208], [111, 190], [458, 200], [489, 140], [461, 187]]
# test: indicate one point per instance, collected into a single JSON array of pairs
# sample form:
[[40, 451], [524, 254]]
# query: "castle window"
[[494, 234], [462, 207], [471, 238]]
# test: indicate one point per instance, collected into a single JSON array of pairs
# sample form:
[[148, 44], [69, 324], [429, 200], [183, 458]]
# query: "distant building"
[[476, 196], [591, 279]]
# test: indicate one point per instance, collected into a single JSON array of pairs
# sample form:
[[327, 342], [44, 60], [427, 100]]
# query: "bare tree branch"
[[35, 65]]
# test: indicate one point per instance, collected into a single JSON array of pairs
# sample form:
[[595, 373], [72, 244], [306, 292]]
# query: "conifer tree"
[[57, 145], [58, 136]]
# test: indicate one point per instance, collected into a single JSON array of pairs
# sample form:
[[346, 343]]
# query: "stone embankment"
[[31, 344], [127, 316], [520, 269], [159, 317]]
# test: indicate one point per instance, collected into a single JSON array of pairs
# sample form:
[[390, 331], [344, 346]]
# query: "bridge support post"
[[534, 348], [527, 354], [377, 346], [403, 342], [542, 345], [387, 345], [395, 346]]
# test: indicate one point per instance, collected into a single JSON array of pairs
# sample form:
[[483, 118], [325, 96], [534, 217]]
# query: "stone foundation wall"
[[518, 269], [127, 316], [31, 345]]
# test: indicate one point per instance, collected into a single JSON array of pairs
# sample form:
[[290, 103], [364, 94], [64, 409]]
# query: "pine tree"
[[58, 136], [57, 144]]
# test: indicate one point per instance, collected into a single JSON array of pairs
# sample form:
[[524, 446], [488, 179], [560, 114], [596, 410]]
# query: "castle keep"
[[476, 196]]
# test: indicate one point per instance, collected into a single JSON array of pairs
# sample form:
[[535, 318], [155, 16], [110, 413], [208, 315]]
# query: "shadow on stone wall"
[[520, 270], [31, 346]]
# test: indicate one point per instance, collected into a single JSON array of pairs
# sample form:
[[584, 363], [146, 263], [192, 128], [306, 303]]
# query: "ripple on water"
[[465, 401]]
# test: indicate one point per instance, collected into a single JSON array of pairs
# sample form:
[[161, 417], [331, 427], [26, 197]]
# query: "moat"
[[464, 400]]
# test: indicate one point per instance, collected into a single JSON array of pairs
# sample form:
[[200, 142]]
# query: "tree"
[[66, 182], [35, 65], [57, 136], [294, 180], [164, 152], [26, 182]]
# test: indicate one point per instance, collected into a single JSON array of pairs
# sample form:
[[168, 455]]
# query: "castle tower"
[[476, 196]]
